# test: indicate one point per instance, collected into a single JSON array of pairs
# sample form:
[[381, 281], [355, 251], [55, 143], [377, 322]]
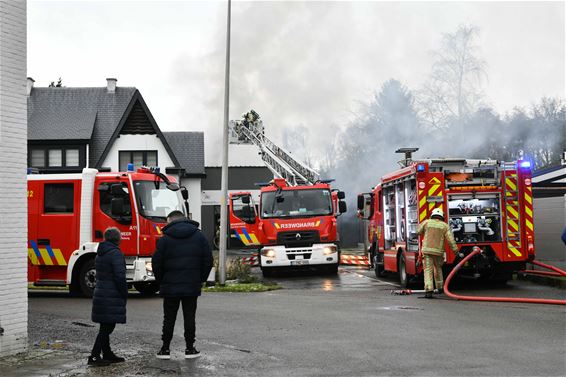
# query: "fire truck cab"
[[68, 214], [487, 203], [293, 226]]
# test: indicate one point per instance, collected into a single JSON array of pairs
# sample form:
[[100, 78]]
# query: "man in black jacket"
[[181, 263]]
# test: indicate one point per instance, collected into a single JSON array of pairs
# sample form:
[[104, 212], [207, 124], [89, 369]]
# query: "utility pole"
[[224, 187]]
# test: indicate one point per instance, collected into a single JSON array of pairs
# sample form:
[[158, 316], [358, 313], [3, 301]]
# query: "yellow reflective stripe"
[[529, 199], [255, 241], [529, 225], [422, 202], [422, 215], [529, 211], [434, 180], [512, 211], [513, 225], [433, 189], [511, 184], [514, 250], [46, 258], [33, 257], [59, 256], [242, 239]]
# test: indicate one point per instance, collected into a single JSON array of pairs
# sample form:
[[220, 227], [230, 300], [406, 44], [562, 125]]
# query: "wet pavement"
[[318, 325]]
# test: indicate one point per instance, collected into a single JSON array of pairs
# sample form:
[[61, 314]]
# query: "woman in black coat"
[[110, 295]]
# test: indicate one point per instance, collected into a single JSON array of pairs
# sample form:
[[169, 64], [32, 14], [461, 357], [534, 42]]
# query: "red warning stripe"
[[354, 260], [252, 260]]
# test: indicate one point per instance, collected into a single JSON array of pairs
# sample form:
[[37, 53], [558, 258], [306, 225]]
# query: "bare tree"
[[547, 141], [454, 89]]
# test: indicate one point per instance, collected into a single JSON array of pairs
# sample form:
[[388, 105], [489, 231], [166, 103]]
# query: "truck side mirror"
[[246, 199], [361, 202], [184, 193], [117, 207], [342, 208], [173, 186], [341, 195]]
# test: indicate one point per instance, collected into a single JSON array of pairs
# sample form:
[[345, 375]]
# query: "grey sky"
[[295, 63]]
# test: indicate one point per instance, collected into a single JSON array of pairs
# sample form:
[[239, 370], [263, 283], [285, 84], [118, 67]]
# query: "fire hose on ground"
[[556, 270], [476, 251]]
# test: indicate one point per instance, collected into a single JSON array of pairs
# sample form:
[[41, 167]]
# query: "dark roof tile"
[[188, 147], [77, 114]]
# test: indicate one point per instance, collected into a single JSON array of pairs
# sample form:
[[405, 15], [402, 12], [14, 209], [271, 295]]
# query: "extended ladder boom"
[[279, 161]]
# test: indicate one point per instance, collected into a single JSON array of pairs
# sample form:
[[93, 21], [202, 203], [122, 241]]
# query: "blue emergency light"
[[420, 168], [525, 164], [130, 167]]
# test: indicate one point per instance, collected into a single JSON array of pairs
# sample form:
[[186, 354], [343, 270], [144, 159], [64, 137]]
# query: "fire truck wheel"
[[379, 267], [403, 278], [87, 278], [147, 289]]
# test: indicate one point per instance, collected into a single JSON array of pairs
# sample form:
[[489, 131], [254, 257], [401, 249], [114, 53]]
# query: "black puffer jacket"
[[111, 291], [182, 261]]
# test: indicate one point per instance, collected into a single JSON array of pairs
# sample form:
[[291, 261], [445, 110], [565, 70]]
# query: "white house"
[[70, 128]]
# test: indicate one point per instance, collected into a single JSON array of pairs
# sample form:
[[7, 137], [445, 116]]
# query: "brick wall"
[[13, 190]]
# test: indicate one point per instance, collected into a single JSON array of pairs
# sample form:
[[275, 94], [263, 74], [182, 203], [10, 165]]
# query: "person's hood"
[[183, 228], [105, 246]]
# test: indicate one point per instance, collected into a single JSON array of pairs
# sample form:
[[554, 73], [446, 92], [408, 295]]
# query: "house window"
[[72, 157], [58, 198], [55, 158], [138, 158], [37, 158]]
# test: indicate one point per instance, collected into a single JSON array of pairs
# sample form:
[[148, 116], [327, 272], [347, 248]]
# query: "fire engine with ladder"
[[487, 204], [68, 214], [295, 222]]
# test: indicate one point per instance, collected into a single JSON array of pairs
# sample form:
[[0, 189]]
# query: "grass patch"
[[243, 287]]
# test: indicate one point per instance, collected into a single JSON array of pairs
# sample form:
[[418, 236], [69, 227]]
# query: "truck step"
[[50, 283]]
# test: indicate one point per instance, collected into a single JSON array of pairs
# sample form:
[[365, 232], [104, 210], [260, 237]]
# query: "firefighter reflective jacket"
[[435, 232]]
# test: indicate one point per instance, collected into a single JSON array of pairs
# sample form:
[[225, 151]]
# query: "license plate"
[[299, 262], [299, 257]]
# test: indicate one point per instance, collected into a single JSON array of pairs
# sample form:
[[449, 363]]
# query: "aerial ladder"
[[250, 130]]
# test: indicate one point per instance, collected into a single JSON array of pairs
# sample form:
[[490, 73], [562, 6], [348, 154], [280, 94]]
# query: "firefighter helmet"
[[437, 212]]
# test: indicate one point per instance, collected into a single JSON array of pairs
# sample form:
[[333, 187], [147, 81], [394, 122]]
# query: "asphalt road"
[[345, 325]]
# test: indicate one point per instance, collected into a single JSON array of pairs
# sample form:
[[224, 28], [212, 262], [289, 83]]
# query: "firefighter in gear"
[[435, 231]]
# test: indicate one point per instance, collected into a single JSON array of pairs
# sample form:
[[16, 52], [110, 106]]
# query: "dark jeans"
[[170, 308], [102, 342]]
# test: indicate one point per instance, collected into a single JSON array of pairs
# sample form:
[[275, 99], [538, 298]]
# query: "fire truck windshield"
[[296, 203], [156, 201]]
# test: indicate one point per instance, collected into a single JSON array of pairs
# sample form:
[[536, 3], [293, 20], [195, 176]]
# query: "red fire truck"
[[487, 203], [293, 226], [68, 213]]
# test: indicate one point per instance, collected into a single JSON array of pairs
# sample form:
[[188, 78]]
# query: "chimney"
[[111, 85], [29, 86]]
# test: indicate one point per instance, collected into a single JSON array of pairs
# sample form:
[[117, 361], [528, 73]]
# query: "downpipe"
[[476, 250]]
